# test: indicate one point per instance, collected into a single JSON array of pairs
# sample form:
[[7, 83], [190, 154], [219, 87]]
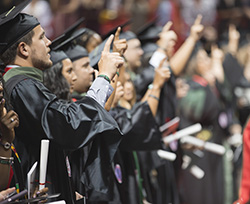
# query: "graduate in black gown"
[[140, 132], [67, 126], [203, 104]]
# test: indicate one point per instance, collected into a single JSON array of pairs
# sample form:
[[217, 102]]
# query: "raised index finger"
[[198, 19], [108, 43], [167, 26], [117, 33]]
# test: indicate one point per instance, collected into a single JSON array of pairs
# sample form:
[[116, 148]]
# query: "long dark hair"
[[56, 82]]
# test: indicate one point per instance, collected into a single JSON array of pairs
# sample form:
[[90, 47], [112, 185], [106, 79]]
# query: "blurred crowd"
[[176, 60], [101, 15]]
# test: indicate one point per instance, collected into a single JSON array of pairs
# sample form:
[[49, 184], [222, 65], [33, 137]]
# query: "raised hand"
[[234, 37], [119, 45], [233, 34], [109, 62], [216, 53], [167, 36], [217, 63], [197, 28], [118, 94], [162, 74]]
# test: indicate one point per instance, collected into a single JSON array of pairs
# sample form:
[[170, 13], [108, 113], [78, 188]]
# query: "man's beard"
[[41, 64]]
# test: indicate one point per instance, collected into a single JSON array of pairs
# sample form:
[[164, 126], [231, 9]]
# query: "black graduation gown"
[[140, 133], [202, 106], [166, 190], [234, 73], [67, 126]]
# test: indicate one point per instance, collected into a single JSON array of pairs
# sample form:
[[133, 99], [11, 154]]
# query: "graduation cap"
[[114, 29], [14, 25], [149, 32], [2, 67], [68, 32], [128, 35], [95, 55], [57, 56], [73, 51]]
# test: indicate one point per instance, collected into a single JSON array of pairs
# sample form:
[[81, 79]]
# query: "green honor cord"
[[138, 176]]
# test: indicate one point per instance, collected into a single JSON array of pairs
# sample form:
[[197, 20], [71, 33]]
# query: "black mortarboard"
[[68, 32], [128, 35], [149, 32], [73, 51], [57, 56], [2, 66], [149, 47], [95, 55], [114, 29], [14, 25]]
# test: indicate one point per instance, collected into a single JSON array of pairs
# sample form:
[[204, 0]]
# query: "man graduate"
[[24, 46]]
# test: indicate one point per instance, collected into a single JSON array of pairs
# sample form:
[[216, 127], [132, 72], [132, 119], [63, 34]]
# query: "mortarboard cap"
[[68, 32], [114, 29], [149, 47], [2, 67], [14, 25], [57, 56], [128, 35], [95, 55], [149, 32], [73, 51]]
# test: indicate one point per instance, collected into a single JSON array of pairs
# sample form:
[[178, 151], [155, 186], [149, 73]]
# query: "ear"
[[23, 49]]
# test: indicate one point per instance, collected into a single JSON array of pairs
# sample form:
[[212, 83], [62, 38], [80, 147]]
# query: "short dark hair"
[[9, 56]]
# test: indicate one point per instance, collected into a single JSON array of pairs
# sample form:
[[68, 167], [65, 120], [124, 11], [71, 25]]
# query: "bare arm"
[[234, 37], [162, 74], [180, 58]]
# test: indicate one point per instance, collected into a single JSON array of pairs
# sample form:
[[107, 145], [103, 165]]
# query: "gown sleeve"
[[70, 125]]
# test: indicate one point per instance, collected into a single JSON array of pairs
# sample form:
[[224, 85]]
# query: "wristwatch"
[[6, 145]]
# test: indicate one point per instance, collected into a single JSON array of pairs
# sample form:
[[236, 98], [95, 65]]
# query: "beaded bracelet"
[[150, 95], [6, 160], [105, 77]]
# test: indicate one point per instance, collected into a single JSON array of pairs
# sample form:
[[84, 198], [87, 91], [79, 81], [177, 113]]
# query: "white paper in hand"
[[43, 163], [31, 176], [156, 59]]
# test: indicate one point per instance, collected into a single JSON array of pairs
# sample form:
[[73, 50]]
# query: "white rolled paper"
[[184, 132], [215, 148], [43, 163], [197, 172], [209, 146], [166, 155], [58, 202], [169, 124]]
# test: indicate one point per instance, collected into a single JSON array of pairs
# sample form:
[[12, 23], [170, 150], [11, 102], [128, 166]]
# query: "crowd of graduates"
[[109, 104]]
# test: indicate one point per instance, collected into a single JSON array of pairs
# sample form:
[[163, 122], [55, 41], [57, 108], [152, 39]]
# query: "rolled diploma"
[[215, 148], [166, 155], [43, 163], [167, 125], [184, 132], [209, 146]]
